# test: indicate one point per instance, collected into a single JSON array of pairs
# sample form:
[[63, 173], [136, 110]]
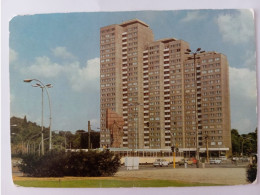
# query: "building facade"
[[165, 99]]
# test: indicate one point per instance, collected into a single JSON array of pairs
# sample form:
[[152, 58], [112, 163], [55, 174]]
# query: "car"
[[215, 161], [181, 162], [193, 160], [190, 161], [223, 157], [161, 163]]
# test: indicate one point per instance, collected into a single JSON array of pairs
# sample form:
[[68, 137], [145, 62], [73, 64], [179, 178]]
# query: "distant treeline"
[[26, 137]]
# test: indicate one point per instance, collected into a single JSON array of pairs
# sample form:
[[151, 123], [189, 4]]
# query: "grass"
[[101, 183]]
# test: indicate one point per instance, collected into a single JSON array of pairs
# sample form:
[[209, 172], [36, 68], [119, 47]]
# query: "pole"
[[89, 129], [174, 159], [207, 145], [196, 110], [50, 141], [136, 134], [42, 126]]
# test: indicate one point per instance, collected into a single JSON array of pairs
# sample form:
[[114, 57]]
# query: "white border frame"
[[11, 8]]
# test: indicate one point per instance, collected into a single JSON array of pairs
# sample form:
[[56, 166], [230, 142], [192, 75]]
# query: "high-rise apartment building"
[[164, 98]]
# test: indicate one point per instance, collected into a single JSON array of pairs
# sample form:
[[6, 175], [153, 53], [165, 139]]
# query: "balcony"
[[124, 38], [166, 49], [145, 61], [124, 33]]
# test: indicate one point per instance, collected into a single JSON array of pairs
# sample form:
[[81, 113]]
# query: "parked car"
[[193, 160], [160, 163], [189, 161], [181, 162], [215, 161], [223, 157]]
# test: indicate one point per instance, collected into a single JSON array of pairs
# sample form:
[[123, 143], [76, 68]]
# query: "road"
[[225, 173]]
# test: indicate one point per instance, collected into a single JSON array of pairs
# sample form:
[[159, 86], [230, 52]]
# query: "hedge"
[[79, 164]]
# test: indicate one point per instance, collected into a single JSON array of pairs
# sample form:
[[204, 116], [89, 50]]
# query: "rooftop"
[[132, 22]]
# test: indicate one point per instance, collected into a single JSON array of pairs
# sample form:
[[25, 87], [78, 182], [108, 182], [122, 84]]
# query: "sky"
[[63, 49]]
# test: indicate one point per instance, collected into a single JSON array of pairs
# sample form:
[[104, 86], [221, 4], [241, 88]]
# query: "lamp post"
[[43, 86], [28, 142], [195, 57], [173, 149]]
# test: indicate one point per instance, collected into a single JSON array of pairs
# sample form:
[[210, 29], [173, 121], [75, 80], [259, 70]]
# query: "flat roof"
[[132, 22]]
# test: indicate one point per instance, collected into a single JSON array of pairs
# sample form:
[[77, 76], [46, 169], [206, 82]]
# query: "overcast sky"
[[63, 49]]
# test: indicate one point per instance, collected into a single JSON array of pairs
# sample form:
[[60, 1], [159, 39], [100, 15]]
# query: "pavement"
[[224, 176]]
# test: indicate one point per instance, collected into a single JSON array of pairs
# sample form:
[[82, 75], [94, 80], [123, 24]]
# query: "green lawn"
[[105, 183]]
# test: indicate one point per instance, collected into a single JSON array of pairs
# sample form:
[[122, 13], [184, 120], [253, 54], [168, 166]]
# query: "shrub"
[[58, 164], [251, 172]]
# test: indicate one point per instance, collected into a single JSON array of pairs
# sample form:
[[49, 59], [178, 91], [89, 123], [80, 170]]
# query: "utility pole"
[[207, 147], [89, 129]]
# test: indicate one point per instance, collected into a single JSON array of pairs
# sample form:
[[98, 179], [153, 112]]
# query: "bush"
[[58, 164], [251, 172]]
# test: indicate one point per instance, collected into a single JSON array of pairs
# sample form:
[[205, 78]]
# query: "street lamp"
[[43, 86], [28, 142], [195, 57], [173, 148]]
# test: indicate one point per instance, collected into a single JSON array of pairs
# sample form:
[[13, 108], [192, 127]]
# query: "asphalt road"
[[223, 164]]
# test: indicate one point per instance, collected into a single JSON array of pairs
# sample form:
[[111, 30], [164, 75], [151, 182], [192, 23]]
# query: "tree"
[[235, 139]]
